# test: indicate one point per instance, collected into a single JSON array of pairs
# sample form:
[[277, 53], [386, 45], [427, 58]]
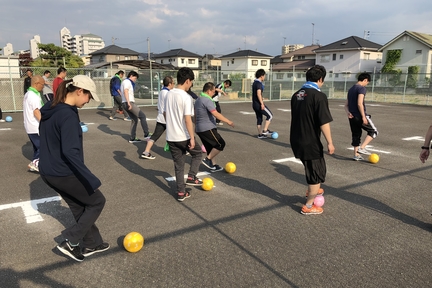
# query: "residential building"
[[80, 44], [112, 53], [9, 66], [416, 50], [290, 48], [210, 62], [295, 63], [34, 50], [246, 62], [8, 49], [179, 58], [345, 58]]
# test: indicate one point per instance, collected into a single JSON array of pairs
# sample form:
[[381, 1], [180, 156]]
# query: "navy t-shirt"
[[309, 111], [353, 93]]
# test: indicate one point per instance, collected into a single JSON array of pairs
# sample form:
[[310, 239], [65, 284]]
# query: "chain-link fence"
[[396, 88]]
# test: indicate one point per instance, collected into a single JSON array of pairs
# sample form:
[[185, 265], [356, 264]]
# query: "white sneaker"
[[2, 120], [363, 151]]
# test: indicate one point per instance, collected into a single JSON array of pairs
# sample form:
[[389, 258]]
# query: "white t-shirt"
[[127, 84], [161, 105], [178, 103], [31, 102]]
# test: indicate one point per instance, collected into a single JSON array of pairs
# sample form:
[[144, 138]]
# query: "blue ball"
[[275, 135], [84, 128], [8, 118]]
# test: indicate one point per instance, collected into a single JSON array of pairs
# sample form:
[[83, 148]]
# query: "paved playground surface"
[[247, 231]]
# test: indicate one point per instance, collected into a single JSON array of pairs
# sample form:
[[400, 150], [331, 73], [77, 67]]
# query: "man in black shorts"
[[358, 118], [310, 115], [258, 105]]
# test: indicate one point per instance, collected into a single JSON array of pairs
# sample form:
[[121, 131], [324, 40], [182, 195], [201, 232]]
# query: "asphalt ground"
[[247, 231]]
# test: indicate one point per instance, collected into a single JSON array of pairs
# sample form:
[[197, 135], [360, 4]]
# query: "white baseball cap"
[[86, 83]]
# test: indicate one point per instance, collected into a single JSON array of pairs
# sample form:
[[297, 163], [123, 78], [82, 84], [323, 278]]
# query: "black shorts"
[[315, 171], [159, 129], [212, 139]]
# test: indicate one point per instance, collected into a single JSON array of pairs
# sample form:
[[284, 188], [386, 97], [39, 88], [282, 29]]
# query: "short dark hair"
[[28, 69], [259, 73], [208, 86], [120, 72], [132, 73], [184, 74], [228, 82], [167, 80], [364, 76], [47, 72], [60, 70], [316, 73]]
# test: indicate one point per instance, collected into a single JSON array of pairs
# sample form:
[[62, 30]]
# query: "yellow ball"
[[373, 158], [230, 167], [133, 242], [207, 184]]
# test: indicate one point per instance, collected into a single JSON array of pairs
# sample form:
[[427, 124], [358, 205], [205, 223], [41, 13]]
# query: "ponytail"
[[62, 92]]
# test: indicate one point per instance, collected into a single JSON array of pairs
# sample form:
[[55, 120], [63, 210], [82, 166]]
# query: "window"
[[232, 61], [182, 61], [127, 58], [334, 57], [162, 61], [336, 75], [279, 75], [325, 58], [300, 75], [254, 62], [341, 56], [227, 63], [289, 75], [418, 51], [263, 62], [117, 57], [191, 61], [366, 56], [301, 57]]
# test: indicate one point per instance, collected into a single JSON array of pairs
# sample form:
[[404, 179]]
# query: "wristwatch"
[[425, 147]]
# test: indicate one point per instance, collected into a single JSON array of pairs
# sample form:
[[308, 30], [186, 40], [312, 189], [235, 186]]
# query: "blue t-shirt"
[[353, 93], [204, 119]]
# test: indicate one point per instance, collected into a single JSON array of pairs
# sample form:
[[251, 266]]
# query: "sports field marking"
[[185, 176], [369, 148], [291, 159], [419, 138], [284, 110], [4, 129], [246, 113], [30, 208]]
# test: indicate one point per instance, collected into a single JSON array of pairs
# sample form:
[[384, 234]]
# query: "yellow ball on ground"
[[373, 158], [230, 167], [133, 242], [207, 184]]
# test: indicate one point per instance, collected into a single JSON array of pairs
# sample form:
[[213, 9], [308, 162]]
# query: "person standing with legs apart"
[[168, 83], [310, 116], [220, 89], [178, 112], [358, 118], [62, 167], [31, 111], [205, 116], [135, 113], [115, 85], [258, 105]]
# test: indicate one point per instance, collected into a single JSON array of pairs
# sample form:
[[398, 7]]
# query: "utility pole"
[[113, 40], [313, 33], [150, 65]]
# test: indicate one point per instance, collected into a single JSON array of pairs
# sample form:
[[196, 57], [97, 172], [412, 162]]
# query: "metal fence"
[[395, 88]]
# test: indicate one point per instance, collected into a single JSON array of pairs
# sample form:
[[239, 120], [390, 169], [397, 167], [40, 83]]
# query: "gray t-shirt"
[[47, 88], [204, 119]]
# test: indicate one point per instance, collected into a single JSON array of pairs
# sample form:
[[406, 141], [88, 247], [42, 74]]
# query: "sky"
[[212, 27]]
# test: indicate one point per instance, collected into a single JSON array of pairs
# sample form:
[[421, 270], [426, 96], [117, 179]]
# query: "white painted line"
[[284, 110], [369, 148], [291, 159], [30, 208], [246, 113], [151, 119], [419, 138], [4, 129], [185, 176]]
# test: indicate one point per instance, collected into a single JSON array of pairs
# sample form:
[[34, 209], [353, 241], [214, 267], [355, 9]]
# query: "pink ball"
[[203, 149], [319, 200]]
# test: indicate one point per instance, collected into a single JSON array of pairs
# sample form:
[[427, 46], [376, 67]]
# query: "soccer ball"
[[133, 242], [230, 167], [207, 184]]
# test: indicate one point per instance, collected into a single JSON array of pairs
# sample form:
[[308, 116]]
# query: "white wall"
[[11, 61]]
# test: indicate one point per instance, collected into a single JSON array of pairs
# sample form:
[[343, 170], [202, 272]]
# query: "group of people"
[[182, 116]]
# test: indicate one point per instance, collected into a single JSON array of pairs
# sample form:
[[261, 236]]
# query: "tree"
[[55, 56]]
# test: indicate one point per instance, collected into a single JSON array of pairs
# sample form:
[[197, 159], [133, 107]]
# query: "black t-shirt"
[[257, 85], [309, 111]]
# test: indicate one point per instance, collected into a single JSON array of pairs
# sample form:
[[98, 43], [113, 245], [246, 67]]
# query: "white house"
[[416, 51], [179, 58], [9, 67], [244, 61], [345, 58]]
